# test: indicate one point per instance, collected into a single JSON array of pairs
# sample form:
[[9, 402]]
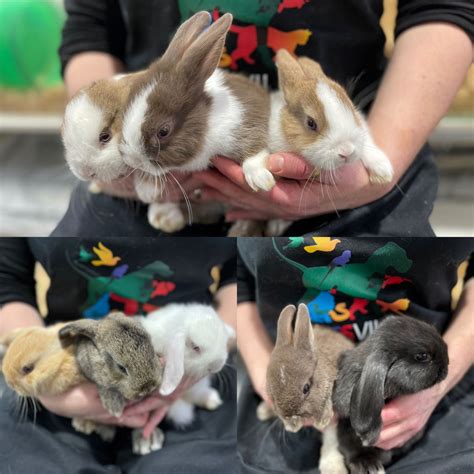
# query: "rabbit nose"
[[346, 151]]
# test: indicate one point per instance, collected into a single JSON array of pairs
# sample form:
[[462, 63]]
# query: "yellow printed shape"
[[43, 283], [459, 286], [216, 278], [341, 313], [106, 256], [322, 244]]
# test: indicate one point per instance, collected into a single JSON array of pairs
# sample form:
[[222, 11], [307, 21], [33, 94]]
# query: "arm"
[[255, 346], [428, 65], [406, 416]]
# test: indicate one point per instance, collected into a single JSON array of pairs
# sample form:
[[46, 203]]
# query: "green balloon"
[[30, 34]]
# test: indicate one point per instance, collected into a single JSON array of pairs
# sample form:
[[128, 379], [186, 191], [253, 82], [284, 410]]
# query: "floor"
[[35, 185]]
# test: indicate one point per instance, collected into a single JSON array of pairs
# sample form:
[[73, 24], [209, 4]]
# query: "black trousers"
[[403, 212], [446, 448], [50, 445]]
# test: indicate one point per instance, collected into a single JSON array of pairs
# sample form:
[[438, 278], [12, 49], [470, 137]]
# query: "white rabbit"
[[194, 342]]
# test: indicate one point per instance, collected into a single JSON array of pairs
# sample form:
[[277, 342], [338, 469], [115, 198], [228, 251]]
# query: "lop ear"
[[311, 68], [284, 330], [367, 399], [290, 74], [174, 364], [70, 332], [304, 337], [185, 36], [201, 59]]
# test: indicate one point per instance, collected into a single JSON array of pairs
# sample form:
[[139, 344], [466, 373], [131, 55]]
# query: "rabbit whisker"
[[186, 199]]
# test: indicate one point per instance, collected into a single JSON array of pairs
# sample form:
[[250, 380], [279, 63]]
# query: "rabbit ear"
[[174, 364], [187, 33], [367, 399], [84, 327], [290, 73], [284, 331], [201, 59], [304, 337], [311, 68]]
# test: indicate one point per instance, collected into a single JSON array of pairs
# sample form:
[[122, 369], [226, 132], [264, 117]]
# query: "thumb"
[[289, 165]]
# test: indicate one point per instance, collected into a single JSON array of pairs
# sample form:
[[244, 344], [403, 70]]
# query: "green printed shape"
[[257, 12], [360, 280]]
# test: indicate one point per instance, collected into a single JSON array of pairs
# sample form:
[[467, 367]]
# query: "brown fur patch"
[[256, 101]]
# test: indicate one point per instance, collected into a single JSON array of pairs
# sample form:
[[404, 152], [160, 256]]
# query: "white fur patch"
[[225, 117], [276, 138], [132, 145], [258, 177], [331, 460], [83, 122]]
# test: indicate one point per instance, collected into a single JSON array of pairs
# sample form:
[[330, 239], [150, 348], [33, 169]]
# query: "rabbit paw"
[[259, 179], [365, 466], [166, 217], [213, 400], [142, 446], [276, 227], [83, 426], [107, 433], [379, 167], [331, 460], [181, 413], [265, 412], [246, 228], [94, 187], [256, 174]]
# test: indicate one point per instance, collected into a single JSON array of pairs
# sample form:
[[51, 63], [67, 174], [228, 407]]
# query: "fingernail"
[[276, 163]]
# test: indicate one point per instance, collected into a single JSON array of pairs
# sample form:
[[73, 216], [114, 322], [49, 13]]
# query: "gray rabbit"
[[117, 355], [403, 356]]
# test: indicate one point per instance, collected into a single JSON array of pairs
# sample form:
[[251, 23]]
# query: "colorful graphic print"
[[345, 294], [253, 35], [129, 292]]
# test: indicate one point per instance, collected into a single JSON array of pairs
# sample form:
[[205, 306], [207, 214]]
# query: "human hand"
[[297, 195], [155, 406], [407, 415], [83, 401]]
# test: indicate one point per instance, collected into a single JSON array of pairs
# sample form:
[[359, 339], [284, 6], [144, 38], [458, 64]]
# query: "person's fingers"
[[232, 170], [124, 187], [134, 421], [150, 403], [175, 193], [154, 420], [396, 441], [392, 413], [289, 165]]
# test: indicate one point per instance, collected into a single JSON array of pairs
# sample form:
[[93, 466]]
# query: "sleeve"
[[228, 275], [16, 272], [92, 25], [415, 12], [245, 282]]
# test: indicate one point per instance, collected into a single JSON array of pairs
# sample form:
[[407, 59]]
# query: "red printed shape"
[[162, 288], [130, 307], [288, 40], [394, 280], [359, 305], [291, 4]]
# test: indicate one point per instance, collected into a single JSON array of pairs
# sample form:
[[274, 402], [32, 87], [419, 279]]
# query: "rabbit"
[[403, 356], [35, 364], [300, 378], [194, 342], [117, 355], [185, 110]]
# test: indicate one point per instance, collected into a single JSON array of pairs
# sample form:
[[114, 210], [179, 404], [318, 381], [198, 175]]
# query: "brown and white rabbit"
[[184, 111], [403, 356], [117, 355], [300, 379], [35, 364]]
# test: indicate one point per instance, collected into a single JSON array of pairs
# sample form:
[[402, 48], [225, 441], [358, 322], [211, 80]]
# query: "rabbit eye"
[[311, 124], [306, 389], [122, 369], [196, 349], [27, 369], [164, 131], [422, 357], [105, 136]]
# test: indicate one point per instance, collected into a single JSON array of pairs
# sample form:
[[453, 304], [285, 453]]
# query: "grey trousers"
[[446, 448], [50, 445]]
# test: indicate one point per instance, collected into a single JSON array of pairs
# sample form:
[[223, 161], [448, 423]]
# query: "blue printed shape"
[[320, 306], [98, 310]]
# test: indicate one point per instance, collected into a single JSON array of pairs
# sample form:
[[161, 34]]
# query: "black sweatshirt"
[[344, 35], [89, 278], [349, 284]]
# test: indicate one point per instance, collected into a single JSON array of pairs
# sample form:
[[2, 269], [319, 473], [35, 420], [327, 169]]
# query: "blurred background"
[[35, 183]]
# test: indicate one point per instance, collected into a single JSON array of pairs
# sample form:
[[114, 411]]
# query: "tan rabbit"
[[300, 378], [35, 364]]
